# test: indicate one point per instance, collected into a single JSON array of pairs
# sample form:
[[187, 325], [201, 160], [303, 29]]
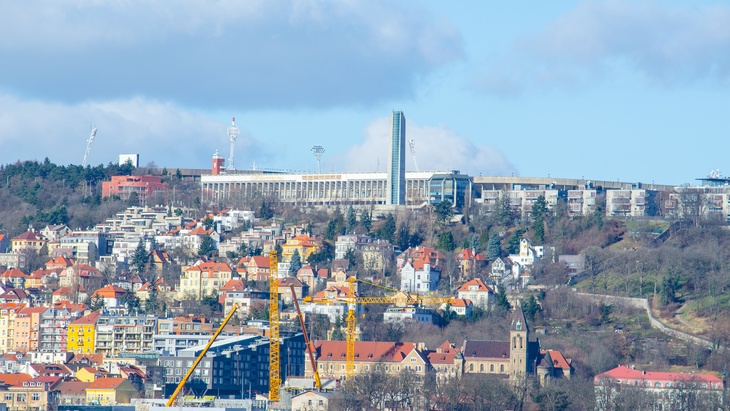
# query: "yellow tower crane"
[[274, 323], [400, 298]]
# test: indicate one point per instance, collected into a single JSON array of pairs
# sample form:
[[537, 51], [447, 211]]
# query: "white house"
[[418, 276]]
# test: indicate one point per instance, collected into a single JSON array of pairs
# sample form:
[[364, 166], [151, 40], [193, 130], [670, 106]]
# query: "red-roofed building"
[[59, 262], [419, 276], [27, 327], [667, 390], [114, 298], [15, 277], [39, 393], [430, 255], [478, 292], [110, 391], [446, 361], [391, 357], [72, 392], [258, 269], [303, 243], [460, 306], [284, 288], [204, 278], [470, 263], [29, 240], [82, 275]]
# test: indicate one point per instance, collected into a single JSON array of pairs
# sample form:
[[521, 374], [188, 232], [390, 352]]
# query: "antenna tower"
[[412, 145], [88, 146], [318, 151], [232, 136]]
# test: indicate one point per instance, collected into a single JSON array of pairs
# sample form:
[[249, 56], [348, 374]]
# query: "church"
[[517, 357]]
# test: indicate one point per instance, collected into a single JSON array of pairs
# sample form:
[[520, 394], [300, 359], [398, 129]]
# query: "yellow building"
[[8, 315], [110, 391], [203, 279], [82, 334], [303, 243], [89, 374]]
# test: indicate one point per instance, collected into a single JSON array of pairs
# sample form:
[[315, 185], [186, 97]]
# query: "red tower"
[[217, 164]]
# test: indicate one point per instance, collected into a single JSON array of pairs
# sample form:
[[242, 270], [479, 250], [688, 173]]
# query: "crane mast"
[[274, 323]]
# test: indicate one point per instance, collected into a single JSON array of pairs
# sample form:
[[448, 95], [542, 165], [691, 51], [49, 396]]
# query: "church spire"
[[518, 321]]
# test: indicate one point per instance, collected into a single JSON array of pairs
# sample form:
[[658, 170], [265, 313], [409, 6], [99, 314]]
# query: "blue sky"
[[629, 90]]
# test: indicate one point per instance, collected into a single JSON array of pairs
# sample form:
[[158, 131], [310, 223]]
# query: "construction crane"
[[312, 361], [88, 147], [181, 385], [274, 324], [400, 298]]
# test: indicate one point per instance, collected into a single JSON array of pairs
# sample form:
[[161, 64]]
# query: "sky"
[[605, 90]]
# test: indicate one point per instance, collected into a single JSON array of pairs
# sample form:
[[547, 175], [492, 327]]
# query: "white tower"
[[88, 147], [232, 136]]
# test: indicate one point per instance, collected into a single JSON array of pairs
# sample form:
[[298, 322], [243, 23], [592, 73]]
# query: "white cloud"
[[437, 148], [276, 54], [160, 132], [667, 45]]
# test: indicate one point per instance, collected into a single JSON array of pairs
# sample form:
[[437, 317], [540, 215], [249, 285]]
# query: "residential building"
[[181, 325], [470, 263], [54, 232], [82, 334], [72, 392], [397, 162], [55, 320], [581, 202], [110, 391], [203, 278], [521, 199], [462, 307], [124, 186], [446, 361], [112, 298], [664, 390], [232, 363], [39, 393], [124, 334], [630, 203], [27, 328], [8, 314], [408, 314], [170, 344], [29, 240], [15, 277], [419, 276], [522, 262], [391, 357], [258, 269], [314, 401], [479, 293], [83, 276]]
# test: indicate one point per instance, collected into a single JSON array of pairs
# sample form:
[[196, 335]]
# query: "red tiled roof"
[[14, 379], [460, 302], [106, 383], [235, 284], [30, 235], [89, 319], [481, 286], [623, 372], [110, 291], [364, 350], [13, 272], [73, 387], [260, 261]]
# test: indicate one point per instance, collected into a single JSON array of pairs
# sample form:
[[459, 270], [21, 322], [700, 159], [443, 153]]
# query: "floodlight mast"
[[412, 145], [88, 147], [232, 136], [318, 151]]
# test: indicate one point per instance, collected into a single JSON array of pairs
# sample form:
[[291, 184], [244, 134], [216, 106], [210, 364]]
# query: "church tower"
[[519, 333]]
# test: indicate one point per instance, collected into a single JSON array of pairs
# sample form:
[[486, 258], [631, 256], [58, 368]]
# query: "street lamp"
[[249, 386]]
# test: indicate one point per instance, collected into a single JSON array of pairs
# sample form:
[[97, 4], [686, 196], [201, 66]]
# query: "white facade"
[[408, 314], [419, 279], [629, 203], [581, 202]]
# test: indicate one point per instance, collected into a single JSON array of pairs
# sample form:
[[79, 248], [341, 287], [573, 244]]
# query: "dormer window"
[[518, 325]]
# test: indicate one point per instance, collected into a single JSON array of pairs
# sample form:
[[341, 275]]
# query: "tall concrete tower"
[[397, 163]]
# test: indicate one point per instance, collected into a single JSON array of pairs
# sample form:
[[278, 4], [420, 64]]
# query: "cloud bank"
[[222, 54], [667, 45], [436, 148]]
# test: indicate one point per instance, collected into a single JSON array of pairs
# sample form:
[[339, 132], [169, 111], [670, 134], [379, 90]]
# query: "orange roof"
[[200, 231], [80, 307], [14, 379], [210, 266], [460, 302], [110, 291], [475, 282], [61, 260], [32, 310], [89, 319], [13, 272], [106, 383], [559, 361], [235, 284]]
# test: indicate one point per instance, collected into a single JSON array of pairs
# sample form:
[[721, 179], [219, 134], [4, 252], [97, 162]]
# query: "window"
[[491, 368], [36, 396], [501, 368], [471, 367]]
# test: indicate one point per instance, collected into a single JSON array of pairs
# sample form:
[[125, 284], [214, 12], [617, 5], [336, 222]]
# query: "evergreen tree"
[[416, 239], [295, 263], [505, 214], [402, 237], [351, 220], [494, 248], [538, 214], [444, 211], [139, 260], [207, 247], [366, 220], [502, 300], [387, 230], [351, 257], [446, 241]]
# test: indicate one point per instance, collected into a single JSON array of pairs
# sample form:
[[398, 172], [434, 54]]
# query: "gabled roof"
[[260, 261], [210, 267], [30, 236], [475, 282], [13, 273], [110, 291], [15, 379], [486, 349], [234, 285], [44, 369], [364, 351], [289, 281], [89, 319], [60, 261], [73, 387], [518, 321], [201, 231], [460, 302], [623, 372], [106, 383]]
